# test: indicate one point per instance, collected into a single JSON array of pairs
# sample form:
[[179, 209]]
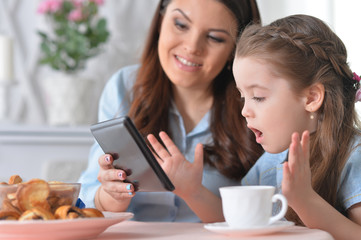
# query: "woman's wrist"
[[102, 199], [97, 199]]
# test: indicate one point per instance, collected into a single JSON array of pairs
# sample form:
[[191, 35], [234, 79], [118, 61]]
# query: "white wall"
[[128, 22]]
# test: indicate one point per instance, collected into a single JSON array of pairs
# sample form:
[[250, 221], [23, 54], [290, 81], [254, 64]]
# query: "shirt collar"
[[202, 126]]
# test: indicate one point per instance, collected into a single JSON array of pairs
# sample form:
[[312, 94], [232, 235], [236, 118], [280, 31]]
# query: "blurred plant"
[[77, 33]]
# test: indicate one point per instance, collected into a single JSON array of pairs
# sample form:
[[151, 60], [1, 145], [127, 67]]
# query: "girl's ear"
[[314, 96]]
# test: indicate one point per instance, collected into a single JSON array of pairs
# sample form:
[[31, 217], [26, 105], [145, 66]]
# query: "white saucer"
[[223, 228]]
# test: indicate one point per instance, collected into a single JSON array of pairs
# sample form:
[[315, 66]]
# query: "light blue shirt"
[[155, 206], [268, 170]]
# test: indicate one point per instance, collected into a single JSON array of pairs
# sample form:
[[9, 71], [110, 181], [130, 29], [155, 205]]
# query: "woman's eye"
[[216, 39], [258, 99], [180, 25]]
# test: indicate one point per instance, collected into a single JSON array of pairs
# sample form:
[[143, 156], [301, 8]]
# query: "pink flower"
[[49, 6], [356, 77], [76, 15], [78, 3]]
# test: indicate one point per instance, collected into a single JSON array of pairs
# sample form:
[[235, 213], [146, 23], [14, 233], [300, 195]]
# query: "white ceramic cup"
[[251, 206]]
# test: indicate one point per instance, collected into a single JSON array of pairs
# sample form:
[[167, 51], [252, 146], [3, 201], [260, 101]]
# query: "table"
[[195, 231]]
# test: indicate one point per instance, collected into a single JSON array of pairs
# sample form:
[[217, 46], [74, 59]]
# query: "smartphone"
[[120, 138]]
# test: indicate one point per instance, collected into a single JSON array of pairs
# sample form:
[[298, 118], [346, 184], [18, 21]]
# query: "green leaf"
[[71, 44]]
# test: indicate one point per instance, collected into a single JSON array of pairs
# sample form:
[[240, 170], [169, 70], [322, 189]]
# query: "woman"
[[183, 86]]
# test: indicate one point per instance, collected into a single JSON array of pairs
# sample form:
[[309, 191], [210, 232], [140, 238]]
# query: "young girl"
[[294, 79]]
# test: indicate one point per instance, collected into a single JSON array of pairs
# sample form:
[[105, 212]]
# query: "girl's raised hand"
[[185, 176], [296, 183]]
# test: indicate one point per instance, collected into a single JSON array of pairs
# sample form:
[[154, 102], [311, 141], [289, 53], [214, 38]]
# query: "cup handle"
[[281, 214]]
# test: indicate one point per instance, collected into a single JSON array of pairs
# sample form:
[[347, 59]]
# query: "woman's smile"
[[187, 65]]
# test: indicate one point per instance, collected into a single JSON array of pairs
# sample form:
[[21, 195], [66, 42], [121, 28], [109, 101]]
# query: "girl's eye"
[[258, 99], [179, 24], [216, 39]]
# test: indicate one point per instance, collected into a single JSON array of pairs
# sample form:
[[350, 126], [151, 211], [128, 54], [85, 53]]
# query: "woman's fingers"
[[106, 161], [119, 190], [112, 175], [114, 181]]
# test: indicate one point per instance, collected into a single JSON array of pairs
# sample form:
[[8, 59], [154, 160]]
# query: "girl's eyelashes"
[[258, 99]]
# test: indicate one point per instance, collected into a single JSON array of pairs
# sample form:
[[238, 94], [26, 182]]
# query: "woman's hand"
[[185, 176], [296, 183], [115, 192]]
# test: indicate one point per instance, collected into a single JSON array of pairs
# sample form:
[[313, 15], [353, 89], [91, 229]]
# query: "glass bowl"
[[48, 195]]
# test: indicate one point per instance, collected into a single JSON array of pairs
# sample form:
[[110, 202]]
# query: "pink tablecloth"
[[195, 231]]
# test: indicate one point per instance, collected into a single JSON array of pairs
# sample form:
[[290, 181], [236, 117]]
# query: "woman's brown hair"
[[234, 149], [305, 51]]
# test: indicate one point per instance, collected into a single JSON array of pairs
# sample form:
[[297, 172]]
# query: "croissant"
[[68, 212], [15, 179], [36, 213], [92, 212], [33, 194], [9, 215]]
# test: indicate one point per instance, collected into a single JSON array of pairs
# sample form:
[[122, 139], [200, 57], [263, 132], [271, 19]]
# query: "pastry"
[[9, 205], [38, 199], [36, 213], [15, 179], [60, 194], [92, 212], [68, 212], [34, 193], [9, 215]]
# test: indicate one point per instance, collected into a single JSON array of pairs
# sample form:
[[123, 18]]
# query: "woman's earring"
[[312, 117]]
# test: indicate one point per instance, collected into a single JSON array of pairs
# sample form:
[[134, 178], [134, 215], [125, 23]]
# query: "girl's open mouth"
[[259, 134]]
